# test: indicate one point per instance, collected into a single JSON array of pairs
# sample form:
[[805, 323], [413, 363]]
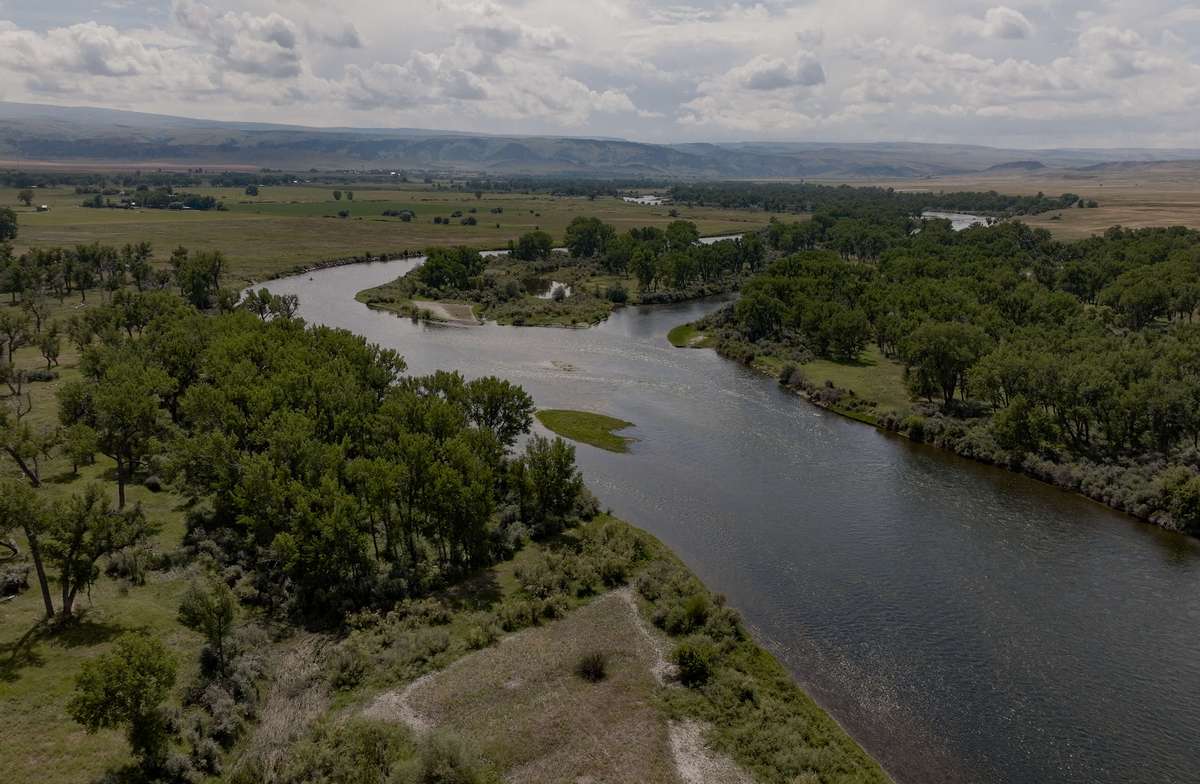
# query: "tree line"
[[1081, 350], [859, 201]]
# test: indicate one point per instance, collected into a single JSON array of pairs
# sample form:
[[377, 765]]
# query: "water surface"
[[964, 623]]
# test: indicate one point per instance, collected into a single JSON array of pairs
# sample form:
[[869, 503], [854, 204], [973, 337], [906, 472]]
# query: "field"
[[288, 227], [1145, 195]]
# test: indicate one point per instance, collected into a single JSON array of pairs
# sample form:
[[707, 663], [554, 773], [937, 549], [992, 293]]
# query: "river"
[[964, 623]]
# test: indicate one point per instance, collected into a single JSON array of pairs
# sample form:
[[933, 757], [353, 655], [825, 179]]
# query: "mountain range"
[[39, 134]]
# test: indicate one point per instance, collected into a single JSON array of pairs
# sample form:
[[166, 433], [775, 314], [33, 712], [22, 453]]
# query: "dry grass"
[[1148, 195], [522, 704]]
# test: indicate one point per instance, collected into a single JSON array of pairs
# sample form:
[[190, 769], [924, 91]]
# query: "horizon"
[[667, 143]]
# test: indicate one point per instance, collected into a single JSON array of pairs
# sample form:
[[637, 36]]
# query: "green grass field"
[[872, 377], [587, 427], [288, 227]]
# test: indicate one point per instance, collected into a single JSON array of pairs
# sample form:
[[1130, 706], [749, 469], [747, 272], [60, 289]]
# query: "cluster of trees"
[[338, 479], [1087, 347], [158, 199], [845, 200], [673, 258]]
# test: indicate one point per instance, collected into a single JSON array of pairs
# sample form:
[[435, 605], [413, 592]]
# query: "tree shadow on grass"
[[480, 591], [19, 654], [83, 631]]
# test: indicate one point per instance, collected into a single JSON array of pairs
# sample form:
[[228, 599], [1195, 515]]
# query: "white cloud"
[[1005, 22], [1050, 72]]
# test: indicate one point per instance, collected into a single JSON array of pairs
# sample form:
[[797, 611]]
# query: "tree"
[[80, 444], [681, 235], [553, 481], [21, 508], [587, 237], [50, 345], [123, 406], [126, 688], [532, 246], [80, 532], [211, 610], [25, 196], [500, 407], [8, 224], [337, 195], [849, 331], [349, 195], [199, 277], [14, 332], [251, 190], [37, 307], [938, 356]]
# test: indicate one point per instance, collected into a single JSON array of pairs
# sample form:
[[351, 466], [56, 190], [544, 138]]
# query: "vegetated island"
[[535, 285], [1073, 362], [286, 542], [587, 427]]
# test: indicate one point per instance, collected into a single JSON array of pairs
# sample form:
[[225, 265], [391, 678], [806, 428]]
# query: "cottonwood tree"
[[500, 407], [82, 530], [126, 688], [123, 406], [22, 509], [25, 196]]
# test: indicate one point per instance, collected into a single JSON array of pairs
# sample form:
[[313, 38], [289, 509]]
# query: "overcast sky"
[[1034, 73]]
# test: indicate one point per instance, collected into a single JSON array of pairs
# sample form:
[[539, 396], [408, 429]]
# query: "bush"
[[593, 667], [696, 657], [442, 759]]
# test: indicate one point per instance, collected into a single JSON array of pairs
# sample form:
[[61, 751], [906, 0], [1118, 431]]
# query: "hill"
[[33, 134]]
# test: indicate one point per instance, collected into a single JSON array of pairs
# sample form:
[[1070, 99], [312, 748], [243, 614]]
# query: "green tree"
[[25, 196], [553, 480], [8, 224], [251, 190], [126, 688], [80, 444], [532, 246], [500, 407], [337, 195], [211, 610], [123, 407], [681, 235], [80, 532], [22, 509], [938, 356], [588, 237], [50, 345]]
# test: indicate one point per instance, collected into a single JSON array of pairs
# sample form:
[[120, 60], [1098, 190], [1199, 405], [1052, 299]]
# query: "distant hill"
[[32, 133]]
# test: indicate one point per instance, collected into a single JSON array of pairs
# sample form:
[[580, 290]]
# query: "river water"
[[965, 624]]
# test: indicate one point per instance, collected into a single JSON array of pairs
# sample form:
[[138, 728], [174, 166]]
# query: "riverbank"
[[603, 634], [1127, 484], [586, 427]]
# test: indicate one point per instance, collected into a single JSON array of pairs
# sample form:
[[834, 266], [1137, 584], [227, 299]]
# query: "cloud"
[[260, 45], [1066, 72], [86, 48], [773, 73], [1006, 23]]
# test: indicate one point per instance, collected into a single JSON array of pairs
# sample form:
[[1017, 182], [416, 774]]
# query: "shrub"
[[593, 667], [696, 657], [442, 759]]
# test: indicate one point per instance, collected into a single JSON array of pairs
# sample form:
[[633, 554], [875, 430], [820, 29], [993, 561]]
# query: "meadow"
[[289, 227]]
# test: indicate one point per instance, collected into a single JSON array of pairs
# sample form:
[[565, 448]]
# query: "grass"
[[504, 699], [873, 377], [587, 427], [38, 668], [288, 227], [687, 336]]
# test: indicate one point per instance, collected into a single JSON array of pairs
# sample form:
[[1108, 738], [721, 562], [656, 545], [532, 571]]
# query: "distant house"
[[649, 201], [43, 208]]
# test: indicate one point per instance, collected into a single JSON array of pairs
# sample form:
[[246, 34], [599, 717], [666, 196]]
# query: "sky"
[[1027, 73]]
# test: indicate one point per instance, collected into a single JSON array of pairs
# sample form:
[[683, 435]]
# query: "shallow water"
[[966, 624]]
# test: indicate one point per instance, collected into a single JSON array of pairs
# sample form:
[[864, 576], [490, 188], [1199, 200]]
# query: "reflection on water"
[[966, 624]]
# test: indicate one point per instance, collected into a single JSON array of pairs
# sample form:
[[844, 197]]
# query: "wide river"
[[965, 624]]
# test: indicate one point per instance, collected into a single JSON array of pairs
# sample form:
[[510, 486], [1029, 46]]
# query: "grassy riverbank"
[[587, 427]]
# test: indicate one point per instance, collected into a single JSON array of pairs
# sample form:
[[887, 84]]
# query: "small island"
[[534, 284], [587, 427]]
